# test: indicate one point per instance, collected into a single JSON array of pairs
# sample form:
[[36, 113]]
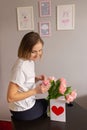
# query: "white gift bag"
[[58, 110]]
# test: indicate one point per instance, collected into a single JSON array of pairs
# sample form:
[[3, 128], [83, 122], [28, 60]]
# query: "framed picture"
[[65, 17], [25, 18], [45, 8], [45, 29]]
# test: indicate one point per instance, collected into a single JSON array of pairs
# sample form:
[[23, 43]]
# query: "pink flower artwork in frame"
[[45, 29], [45, 8]]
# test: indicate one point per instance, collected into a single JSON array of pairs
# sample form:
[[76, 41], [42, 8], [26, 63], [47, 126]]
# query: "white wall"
[[64, 52]]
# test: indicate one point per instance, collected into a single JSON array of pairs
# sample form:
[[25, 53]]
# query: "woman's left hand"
[[41, 77]]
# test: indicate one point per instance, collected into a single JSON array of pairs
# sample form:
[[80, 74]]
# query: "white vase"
[[58, 109]]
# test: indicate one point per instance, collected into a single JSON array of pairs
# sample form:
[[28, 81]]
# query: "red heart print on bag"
[[58, 110]]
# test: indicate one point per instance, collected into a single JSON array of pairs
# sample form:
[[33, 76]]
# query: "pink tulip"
[[62, 87], [51, 78], [73, 94], [69, 98], [63, 81]]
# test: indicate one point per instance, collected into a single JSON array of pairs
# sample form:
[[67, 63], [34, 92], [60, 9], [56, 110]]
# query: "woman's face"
[[37, 51]]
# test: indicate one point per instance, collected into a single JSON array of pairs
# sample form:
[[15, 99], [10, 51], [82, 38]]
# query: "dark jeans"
[[38, 110]]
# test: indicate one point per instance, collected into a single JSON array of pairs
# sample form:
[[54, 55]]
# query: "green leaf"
[[53, 91], [68, 90]]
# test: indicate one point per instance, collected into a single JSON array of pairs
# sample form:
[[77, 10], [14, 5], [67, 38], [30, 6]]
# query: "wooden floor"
[[76, 120]]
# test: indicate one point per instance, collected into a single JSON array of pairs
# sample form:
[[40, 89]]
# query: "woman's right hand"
[[41, 88]]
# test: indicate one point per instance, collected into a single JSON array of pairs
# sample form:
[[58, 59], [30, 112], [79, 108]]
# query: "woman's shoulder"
[[18, 64], [24, 63]]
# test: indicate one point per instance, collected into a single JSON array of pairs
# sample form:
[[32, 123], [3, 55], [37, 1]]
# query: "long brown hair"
[[27, 43]]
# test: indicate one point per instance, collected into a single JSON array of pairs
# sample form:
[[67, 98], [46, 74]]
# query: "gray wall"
[[65, 52]]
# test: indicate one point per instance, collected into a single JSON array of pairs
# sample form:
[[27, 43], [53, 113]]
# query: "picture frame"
[[45, 29], [25, 18], [45, 8], [66, 17]]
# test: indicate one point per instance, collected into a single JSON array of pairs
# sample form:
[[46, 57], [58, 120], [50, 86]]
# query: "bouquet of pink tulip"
[[59, 88]]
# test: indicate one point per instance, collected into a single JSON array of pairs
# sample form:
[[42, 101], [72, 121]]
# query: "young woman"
[[22, 88]]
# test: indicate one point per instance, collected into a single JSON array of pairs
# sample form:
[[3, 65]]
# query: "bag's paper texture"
[[58, 110]]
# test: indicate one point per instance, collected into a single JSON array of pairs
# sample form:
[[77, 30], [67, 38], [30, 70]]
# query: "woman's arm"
[[14, 95]]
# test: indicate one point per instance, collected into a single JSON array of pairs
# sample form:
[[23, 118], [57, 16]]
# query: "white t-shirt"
[[23, 74]]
